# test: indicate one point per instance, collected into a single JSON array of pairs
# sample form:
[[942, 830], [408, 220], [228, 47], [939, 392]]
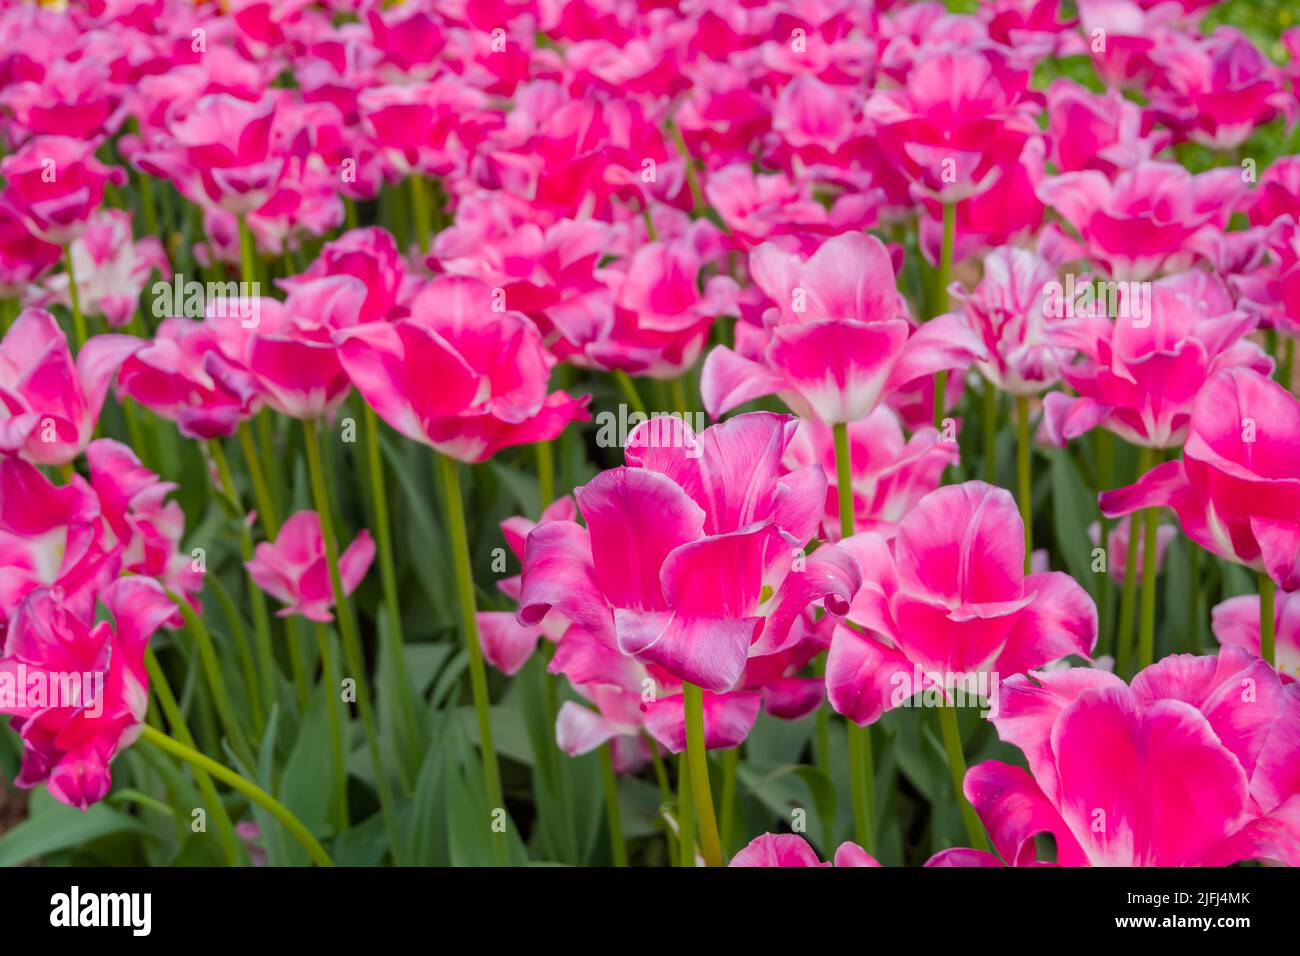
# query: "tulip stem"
[[1288, 362], [247, 256], [730, 766], [167, 701], [685, 813], [1267, 619], [861, 762], [678, 392], [941, 301], [545, 475], [697, 757], [331, 685], [249, 789], [469, 625], [617, 845], [1147, 621], [957, 768], [420, 211], [1024, 474], [78, 320], [387, 568], [208, 658], [261, 618], [1194, 595], [630, 391], [990, 423], [1128, 601], [261, 491], [347, 629]]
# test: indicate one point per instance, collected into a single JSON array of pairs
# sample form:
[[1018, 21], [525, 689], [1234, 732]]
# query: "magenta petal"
[[1015, 810], [865, 677], [777, 850], [1061, 620], [850, 854], [961, 856], [840, 368], [558, 572], [728, 380], [580, 730], [728, 719], [636, 518], [710, 652], [831, 573], [1149, 786], [506, 643]]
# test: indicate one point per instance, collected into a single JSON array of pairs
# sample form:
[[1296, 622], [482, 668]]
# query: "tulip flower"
[[1145, 222], [54, 184], [68, 744], [1118, 551], [837, 341], [1113, 768], [293, 569], [790, 849], [1236, 623], [51, 402]]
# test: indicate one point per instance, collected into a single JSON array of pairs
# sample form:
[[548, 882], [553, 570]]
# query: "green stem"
[[388, 569], [212, 670], [861, 762], [1127, 602], [618, 847], [957, 769], [990, 423], [261, 617], [167, 701], [1288, 362], [351, 642], [1024, 487], [78, 320], [1267, 620], [678, 392], [545, 474], [1194, 595], [1147, 621], [469, 627], [251, 790], [630, 391], [247, 254], [685, 813], [241, 644], [697, 757], [730, 766], [261, 491], [330, 683], [941, 300], [420, 211]]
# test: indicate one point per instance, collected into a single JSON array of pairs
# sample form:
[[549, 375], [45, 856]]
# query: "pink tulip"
[[956, 125], [461, 374], [1146, 220], [287, 349], [51, 404], [111, 270], [1278, 192], [68, 744], [220, 152], [1236, 490], [890, 473], [426, 127], [1220, 88], [74, 98], [369, 255], [838, 339], [1183, 768], [1125, 38], [51, 536], [1105, 132], [1008, 311], [1269, 283], [790, 849], [173, 376], [1142, 372], [1235, 623], [692, 555], [950, 597], [294, 571], [1117, 554], [54, 184], [140, 520], [23, 257]]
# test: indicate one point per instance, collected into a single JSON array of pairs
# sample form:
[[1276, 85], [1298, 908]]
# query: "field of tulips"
[[649, 433]]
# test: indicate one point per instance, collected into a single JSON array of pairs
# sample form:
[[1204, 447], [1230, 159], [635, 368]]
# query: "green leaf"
[[59, 827]]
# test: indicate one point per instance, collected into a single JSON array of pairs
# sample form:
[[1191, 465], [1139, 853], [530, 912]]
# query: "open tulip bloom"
[[607, 433]]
